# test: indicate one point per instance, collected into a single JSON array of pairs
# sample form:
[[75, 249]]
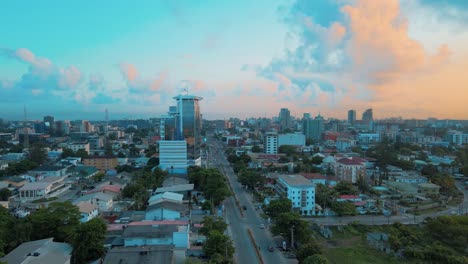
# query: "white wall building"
[[456, 137], [368, 138], [293, 139], [271, 143], [173, 155], [87, 210], [300, 191], [79, 145]]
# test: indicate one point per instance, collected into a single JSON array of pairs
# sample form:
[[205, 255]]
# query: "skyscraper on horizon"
[[188, 126], [351, 117], [284, 118], [368, 116]]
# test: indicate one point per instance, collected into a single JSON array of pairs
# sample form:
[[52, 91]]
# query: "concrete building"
[[368, 138], [173, 156], [351, 117], [350, 169], [40, 251], [79, 145], [292, 139], [284, 118], [313, 128], [300, 191], [456, 137], [103, 163], [48, 170], [87, 210], [41, 189], [271, 143]]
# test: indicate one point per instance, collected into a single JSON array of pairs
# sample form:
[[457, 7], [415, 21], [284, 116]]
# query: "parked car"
[[262, 226]]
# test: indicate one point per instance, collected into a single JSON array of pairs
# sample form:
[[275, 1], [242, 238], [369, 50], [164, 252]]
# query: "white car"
[[262, 226]]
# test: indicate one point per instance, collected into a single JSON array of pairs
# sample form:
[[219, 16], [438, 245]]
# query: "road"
[[404, 219], [238, 224]]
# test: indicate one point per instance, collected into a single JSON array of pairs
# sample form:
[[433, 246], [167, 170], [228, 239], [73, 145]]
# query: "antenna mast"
[[25, 129]]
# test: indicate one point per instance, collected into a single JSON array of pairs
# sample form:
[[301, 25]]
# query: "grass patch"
[[359, 254]]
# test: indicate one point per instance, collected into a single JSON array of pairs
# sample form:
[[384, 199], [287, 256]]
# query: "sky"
[[74, 59]]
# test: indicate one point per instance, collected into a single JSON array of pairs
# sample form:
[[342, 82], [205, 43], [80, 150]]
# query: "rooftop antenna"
[[25, 129]]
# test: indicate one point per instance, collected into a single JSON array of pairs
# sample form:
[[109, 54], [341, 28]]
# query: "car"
[[262, 226], [271, 248], [244, 207]]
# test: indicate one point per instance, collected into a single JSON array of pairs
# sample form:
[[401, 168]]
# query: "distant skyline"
[[246, 58]]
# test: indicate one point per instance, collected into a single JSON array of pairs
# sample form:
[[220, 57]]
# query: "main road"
[[238, 223]]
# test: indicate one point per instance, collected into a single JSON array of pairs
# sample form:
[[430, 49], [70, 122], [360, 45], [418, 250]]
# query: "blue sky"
[[246, 58]]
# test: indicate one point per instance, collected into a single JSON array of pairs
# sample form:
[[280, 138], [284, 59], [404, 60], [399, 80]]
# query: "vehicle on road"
[[244, 207], [271, 248], [262, 226]]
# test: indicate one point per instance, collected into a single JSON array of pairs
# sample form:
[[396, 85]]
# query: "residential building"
[[44, 188], [48, 171], [86, 126], [350, 169], [152, 235], [271, 143], [368, 138], [456, 137], [173, 156], [166, 196], [79, 145], [138, 255], [313, 128], [40, 251], [88, 211], [188, 126], [103, 163], [300, 191], [166, 210], [292, 139], [104, 201], [49, 124]]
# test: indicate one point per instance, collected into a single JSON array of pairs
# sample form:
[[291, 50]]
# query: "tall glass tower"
[[188, 126]]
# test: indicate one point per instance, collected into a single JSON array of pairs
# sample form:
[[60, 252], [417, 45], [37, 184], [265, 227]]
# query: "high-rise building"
[[367, 116], [85, 126], [351, 117], [285, 118], [306, 116], [173, 156], [271, 143], [313, 128], [188, 126], [49, 123]]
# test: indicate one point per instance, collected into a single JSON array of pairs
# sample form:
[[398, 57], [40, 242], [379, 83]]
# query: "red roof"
[[110, 188], [313, 176], [352, 161], [359, 203], [349, 197], [163, 222]]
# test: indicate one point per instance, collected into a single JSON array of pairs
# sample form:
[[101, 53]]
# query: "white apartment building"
[[368, 138], [271, 143], [293, 139], [79, 145], [173, 155], [300, 191], [456, 137]]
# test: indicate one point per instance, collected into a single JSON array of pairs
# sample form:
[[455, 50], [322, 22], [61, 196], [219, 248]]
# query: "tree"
[[87, 241], [38, 153], [285, 222], [215, 188], [343, 208], [287, 149], [346, 188], [58, 220], [276, 207], [217, 244], [108, 151], [66, 152], [324, 196], [316, 259], [5, 194], [98, 177], [212, 223], [82, 153], [256, 149], [152, 162], [309, 249], [250, 178]]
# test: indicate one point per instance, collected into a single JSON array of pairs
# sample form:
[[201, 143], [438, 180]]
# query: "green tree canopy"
[[38, 153], [277, 207], [218, 244], [309, 249], [316, 259], [5, 194], [212, 223], [285, 222], [346, 188], [58, 220], [87, 241]]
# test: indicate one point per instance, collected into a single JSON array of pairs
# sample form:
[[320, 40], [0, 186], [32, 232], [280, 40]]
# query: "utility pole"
[[292, 236]]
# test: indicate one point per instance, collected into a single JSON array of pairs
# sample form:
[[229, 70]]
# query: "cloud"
[[42, 73], [363, 52], [129, 72]]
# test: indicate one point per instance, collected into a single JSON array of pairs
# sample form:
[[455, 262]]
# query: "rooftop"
[[295, 180], [137, 255], [48, 168], [48, 252], [85, 207], [149, 231], [176, 188]]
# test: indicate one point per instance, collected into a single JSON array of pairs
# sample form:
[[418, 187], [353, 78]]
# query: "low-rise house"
[[87, 210], [79, 145], [166, 196], [15, 181], [166, 210], [104, 201], [114, 190], [315, 178], [40, 251], [45, 188], [349, 198], [152, 235], [84, 172], [11, 156], [47, 171]]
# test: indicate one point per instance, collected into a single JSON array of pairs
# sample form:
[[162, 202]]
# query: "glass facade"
[[188, 125]]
